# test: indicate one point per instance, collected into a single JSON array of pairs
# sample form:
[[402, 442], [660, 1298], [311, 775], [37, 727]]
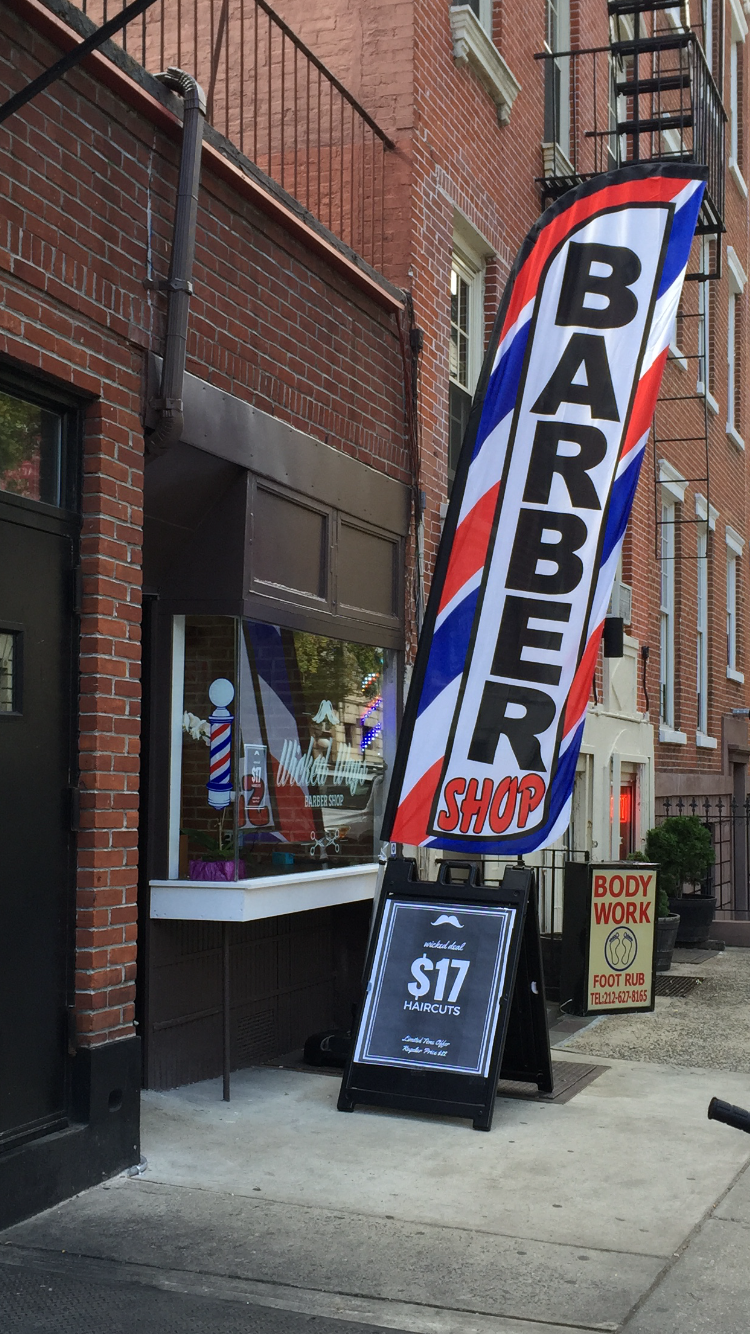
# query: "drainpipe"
[[179, 285]]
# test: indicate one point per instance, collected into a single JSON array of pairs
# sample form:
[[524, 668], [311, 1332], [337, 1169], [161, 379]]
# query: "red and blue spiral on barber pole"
[[220, 759], [454, 596]]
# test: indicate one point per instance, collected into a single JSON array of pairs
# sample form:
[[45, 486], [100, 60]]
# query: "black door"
[[36, 868]]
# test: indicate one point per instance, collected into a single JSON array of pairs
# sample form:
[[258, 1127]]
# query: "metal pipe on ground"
[[179, 284]]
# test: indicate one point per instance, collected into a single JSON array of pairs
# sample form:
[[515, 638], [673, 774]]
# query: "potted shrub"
[[683, 847], [667, 922]]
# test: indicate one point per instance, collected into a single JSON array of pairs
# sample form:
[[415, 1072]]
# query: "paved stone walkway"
[[709, 1029]]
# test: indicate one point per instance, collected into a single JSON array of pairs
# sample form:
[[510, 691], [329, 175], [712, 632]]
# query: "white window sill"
[[734, 675], [472, 46], [266, 896], [735, 437], [678, 357], [705, 742], [557, 163], [737, 177], [670, 737], [702, 392]]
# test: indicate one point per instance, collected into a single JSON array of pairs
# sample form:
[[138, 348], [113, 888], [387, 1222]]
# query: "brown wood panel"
[[290, 976]]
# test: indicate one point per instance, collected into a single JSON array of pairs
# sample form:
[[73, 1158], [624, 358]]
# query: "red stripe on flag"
[[644, 403], [649, 191], [410, 825], [470, 545], [581, 687]]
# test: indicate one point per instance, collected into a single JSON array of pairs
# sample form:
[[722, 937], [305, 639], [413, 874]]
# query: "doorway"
[[38, 553]]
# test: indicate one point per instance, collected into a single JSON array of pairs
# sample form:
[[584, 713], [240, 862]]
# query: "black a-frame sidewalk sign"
[[454, 996]]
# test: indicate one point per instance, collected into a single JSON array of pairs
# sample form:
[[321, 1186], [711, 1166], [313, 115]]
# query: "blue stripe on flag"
[[680, 240], [620, 504], [562, 786], [268, 648], [448, 651], [502, 389]]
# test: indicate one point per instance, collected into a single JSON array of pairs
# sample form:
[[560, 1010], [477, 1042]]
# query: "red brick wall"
[[398, 59], [81, 175], [727, 491]]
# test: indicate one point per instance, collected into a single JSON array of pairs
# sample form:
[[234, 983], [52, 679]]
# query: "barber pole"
[[220, 693], [543, 491]]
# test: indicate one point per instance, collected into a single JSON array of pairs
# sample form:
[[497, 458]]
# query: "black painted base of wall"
[[103, 1137]]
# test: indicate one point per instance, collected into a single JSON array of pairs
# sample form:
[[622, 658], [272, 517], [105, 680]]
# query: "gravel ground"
[[709, 1029]]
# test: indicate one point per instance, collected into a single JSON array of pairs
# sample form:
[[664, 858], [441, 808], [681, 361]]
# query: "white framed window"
[[733, 354], [672, 486], [557, 76], [736, 285], [465, 347], [706, 512], [701, 635], [666, 617], [738, 33], [705, 331], [707, 18], [483, 11], [735, 547]]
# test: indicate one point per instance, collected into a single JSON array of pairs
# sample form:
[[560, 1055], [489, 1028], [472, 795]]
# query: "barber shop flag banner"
[[541, 500]]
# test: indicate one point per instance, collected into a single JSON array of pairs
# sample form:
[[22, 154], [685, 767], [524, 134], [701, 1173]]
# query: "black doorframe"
[[102, 1083], [62, 520]]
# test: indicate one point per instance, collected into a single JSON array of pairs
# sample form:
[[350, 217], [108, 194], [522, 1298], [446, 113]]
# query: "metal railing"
[[549, 864], [647, 100], [276, 102], [729, 822]]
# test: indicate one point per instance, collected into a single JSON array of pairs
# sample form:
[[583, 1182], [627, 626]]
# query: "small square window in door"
[[10, 671]]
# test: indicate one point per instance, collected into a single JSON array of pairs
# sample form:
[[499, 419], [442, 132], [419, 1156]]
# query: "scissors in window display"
[[330, 841]]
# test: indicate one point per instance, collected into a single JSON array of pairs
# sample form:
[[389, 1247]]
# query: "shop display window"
[[279, 747]]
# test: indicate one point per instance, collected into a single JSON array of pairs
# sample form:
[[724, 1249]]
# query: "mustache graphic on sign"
[[544, 487]]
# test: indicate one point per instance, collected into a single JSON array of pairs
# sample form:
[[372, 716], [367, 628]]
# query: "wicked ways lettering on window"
[[437, 978]]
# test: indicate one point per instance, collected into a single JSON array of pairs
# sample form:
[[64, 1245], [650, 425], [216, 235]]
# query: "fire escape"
[[649, 95]]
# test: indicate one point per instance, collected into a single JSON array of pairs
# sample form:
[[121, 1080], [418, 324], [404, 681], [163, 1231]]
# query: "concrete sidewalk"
[[565, 1214], [624, 1208]]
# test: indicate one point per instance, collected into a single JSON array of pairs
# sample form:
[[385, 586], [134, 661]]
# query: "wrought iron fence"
[[646, 100], [729, 822], [549, 864], [276, 101]]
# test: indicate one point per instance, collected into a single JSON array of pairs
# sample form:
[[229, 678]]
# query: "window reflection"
[[307, 741], [7, 671], [30, 450]]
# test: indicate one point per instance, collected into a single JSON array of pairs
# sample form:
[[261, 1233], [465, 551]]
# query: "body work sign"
[[543, 492], [621, 938]]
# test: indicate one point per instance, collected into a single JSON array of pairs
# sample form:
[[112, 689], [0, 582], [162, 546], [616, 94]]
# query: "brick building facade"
[[335, 339], [472, 108], [294, 409]]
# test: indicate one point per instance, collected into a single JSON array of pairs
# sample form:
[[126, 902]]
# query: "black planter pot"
[[666, 935], [696, 914]]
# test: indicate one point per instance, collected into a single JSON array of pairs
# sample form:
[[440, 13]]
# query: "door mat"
[[667, 985], [569, 1076]]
